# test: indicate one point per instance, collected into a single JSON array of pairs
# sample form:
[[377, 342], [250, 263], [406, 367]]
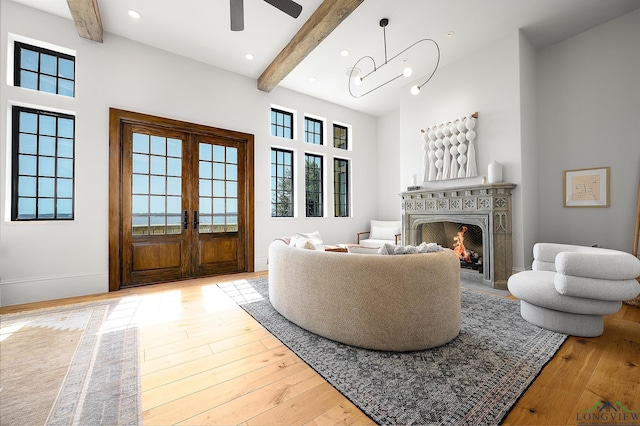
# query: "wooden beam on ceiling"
[[86, 15], [325, 19]]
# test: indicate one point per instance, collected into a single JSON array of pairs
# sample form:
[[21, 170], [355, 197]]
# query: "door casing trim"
[[117, 119]]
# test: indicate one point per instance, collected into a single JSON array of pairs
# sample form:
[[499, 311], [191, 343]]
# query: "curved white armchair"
[[571, 287]]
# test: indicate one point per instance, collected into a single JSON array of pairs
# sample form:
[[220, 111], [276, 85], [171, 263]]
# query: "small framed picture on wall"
[[586, 187]]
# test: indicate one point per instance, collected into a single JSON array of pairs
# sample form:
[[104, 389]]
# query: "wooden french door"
[[184, 201]]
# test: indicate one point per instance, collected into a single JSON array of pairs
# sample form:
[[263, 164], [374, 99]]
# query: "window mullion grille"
[[37, 165], [55, 171]]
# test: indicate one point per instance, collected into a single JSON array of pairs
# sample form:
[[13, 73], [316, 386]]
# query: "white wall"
[[572, 105], [589, 109], [486, 81], [48, 260], [388, 167], [529, 150]]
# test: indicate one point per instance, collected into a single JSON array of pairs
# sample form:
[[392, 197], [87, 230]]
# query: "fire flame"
[[458, 245]]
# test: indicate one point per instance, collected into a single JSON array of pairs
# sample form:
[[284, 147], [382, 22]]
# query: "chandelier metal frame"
[[414, 90]]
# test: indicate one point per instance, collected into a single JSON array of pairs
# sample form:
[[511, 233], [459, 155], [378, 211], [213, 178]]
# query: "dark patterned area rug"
[[75, 364], [474, 379]]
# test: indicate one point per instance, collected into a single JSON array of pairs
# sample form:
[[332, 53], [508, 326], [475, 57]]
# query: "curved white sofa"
[[393, 303]]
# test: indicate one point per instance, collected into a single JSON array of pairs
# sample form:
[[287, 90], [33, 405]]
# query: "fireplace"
[[474, 221], [466, 240]]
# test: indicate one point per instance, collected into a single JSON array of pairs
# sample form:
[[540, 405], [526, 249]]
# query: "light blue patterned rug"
[[474, 379], [71, 365]]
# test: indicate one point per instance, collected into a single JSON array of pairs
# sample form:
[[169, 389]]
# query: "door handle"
[[185, 222], [195, 219]]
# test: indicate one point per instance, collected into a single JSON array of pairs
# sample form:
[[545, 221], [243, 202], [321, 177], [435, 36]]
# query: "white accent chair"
[[381, 232], [570, 288]]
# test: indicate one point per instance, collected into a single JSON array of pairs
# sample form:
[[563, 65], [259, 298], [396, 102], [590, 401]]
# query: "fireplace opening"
[[463, 238]]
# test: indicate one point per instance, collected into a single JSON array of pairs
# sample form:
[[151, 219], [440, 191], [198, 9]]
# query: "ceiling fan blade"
[[289, 7], [237, 15]]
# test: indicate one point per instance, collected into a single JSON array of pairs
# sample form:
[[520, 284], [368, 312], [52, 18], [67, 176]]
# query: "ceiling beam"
[[325, 19], [86, 15]]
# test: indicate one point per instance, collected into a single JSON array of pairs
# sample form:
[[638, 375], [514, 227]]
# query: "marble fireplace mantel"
[[488, 206]]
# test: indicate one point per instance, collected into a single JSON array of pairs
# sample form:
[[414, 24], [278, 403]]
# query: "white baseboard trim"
[[38, 289]]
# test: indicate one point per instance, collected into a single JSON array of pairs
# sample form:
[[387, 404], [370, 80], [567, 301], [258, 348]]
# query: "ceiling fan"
[[289, 7]]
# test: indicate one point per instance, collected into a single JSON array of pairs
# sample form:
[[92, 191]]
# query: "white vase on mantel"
[[494, 172]]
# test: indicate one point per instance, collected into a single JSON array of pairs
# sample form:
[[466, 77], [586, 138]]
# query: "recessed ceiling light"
[[451, 34], [249, 56], [344, 53], [134, 14], [312, 79]]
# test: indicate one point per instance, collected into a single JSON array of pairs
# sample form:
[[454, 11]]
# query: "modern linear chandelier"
[[357, 77]]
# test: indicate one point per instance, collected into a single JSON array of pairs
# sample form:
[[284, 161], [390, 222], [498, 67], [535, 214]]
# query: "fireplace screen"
[[464, 239]]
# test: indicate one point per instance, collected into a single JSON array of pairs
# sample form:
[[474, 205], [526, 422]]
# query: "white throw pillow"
[[309, 241], [429, 247], [384, 232], [390, 249]]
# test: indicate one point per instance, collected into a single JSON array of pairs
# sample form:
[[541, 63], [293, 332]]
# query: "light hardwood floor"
[[205, 361]]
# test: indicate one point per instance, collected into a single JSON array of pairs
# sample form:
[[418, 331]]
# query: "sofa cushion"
[[384, 233], [537, 288], [369, 242], [604, 265], [595, 288], [385, 229], [362, 250]]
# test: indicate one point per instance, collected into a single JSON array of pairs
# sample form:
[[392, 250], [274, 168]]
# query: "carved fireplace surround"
[[487, 206]]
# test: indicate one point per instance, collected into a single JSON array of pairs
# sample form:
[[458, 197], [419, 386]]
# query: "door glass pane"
[[158, 165], [218, 188], [205, 187], [174, 186], [174, 205], [156, 185], [140, 184], [205, 206], [141, 143], [218, 154], [173, 224], [158, 145], [141, 164], [232, 155], [174, 167], [174, 148]]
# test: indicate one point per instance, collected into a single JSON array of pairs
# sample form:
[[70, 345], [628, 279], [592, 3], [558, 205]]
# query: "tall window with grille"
[[341, 187], [43, 165], [313, 131], [340, 136], [44, 70], [281, 123], [313, 185], [281, 183]]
